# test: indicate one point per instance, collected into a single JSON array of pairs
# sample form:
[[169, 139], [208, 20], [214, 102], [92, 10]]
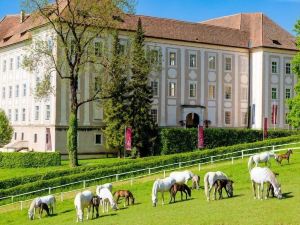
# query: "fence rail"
[[148, 171]]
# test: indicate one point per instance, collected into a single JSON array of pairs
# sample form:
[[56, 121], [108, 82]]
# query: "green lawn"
[[242, 209]]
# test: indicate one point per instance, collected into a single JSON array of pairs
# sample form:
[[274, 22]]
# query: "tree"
[[116, 107], [6, 130], [70, 52], [143, 127], [294, 103]]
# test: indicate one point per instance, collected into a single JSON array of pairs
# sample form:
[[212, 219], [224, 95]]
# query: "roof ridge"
[[220, 17]]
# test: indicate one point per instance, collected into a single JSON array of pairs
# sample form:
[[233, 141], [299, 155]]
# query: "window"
[[3, 92], [23, 114], [228, 63], [98, 48], [172, 58], [244, 93], [228, 92], [154, 115], [154, 87], [18, 62], [22, 136], [9, 114], [172, 89], [47, 112], [37, 113], [4, 66], [10, 92], [35, 138], [17, 90], [98, 139], [122, 49], [193, 60], [288, 68], [274, 67], [211, 92], [193, 90], [11, 62], [154, 56], [16, 114], [287, 93], [227, 117], [24, 90], [244, 118], [274, 93], [212, 62], [16, 135]]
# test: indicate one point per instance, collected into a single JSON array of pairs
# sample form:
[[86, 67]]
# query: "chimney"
[[22, 16]]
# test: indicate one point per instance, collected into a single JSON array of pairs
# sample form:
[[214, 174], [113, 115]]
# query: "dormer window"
[[276, 42]]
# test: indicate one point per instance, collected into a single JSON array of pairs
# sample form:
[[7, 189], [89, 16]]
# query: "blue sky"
[[284, 12]]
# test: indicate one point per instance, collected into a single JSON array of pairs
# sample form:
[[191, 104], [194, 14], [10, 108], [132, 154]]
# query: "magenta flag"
[[266, 128], [128, 138], [200, 137]]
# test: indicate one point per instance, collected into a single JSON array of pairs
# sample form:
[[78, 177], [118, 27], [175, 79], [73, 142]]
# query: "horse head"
[[229, 188], [80, 215], [290, 151], [277, 192], [30, 214]]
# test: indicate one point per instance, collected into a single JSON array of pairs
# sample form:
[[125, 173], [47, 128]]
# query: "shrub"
[[27, 160], [176, 140], [6, 130]]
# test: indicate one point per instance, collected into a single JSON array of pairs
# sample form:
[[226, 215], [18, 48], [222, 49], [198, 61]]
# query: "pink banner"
[[200, 137], [265, 128], [128, 138]]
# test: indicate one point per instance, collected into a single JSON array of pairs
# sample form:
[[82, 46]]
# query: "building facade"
[[232, 71]]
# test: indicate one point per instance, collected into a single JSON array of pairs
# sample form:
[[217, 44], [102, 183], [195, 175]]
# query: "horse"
[[261, 157], [270, 188], [125, 194], [95, 203], [284, 156], [107, 185], [179, 187], [106, 199], [182, 177], [260, 176], [209, 180], [49, 200], [83, 200], [227, 185], [161, 185], [43, 206], [196, 182]]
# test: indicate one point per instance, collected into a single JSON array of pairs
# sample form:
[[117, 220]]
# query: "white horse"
[[260, 176], [49, 200], [209, 180], [83, 200], [182, 177], [106, 199], [107, 185], [260, 157], [196, 182], [161, 185]]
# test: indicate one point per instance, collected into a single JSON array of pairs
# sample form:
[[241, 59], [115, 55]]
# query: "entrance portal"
[[192, 120]]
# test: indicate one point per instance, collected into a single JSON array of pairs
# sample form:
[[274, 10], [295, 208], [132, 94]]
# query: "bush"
[[6, 130], [177, 140], [139, 164], [29, 160]]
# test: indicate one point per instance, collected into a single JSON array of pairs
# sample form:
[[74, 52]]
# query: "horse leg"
[[262, 191], [215, 191], [254, 189], [162, 197]]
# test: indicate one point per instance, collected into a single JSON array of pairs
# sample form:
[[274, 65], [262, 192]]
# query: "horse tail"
[[154, 191], [206, 183], [250, 161]]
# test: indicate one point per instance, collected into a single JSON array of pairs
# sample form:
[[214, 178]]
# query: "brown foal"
[[284, 156]]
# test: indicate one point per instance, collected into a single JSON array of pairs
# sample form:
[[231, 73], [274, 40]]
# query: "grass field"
[[242, 209]]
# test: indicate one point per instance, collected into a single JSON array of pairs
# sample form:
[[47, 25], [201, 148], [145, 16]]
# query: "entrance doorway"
[[192, 120]]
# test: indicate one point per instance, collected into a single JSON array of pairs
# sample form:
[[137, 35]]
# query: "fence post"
[[61, 196], [211, 159], [117, 177], [149, 170], [199, 166], [131, 181], [12, 199], [232, 160], [84, 184], [179, 164], [242, 154], [273, 148], [21, 205], [164, 174], [49, 190]]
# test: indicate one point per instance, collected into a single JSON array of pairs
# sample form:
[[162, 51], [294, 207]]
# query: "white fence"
[[131, 175]]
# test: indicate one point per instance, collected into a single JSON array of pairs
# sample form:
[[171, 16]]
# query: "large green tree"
[[143, 126], [116, 107], [294, 103], [74, 26], [6, 130]]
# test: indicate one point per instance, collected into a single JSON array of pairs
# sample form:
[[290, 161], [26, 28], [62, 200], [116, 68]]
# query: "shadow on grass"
[[287, 195], [183, 200], [66, 211]]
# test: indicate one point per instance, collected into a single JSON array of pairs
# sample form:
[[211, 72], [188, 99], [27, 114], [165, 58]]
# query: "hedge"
[[29, 160], [177, 140], [141, 164]]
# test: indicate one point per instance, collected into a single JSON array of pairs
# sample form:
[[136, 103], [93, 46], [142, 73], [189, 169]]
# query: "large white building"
[[218, 70]]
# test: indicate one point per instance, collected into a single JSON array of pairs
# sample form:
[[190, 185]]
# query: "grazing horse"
[[107, 199], [179, 187], [209, 180], [284, 156], [227, 185], [196, 182], [260, 157], [49, 200], [83, 200], [124, 194], [107, 185], [260, 176], [95, 203], [43, 206], [182, 177], [161, 185]]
